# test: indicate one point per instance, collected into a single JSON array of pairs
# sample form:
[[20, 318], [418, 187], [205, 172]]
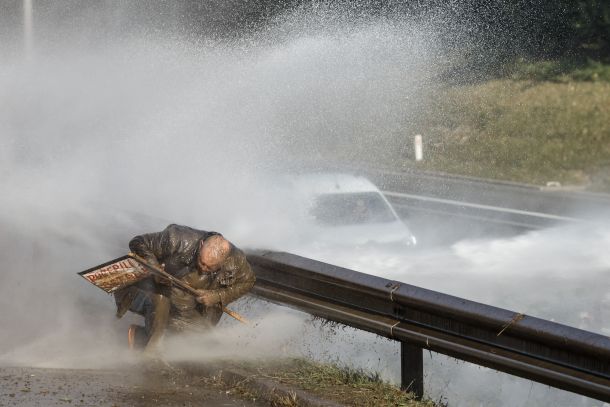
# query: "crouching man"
[[204, 260]]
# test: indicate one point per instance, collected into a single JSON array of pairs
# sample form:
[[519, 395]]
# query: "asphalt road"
[[129, 386]]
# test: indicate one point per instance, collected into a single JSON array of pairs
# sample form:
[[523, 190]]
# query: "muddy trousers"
[[155, 309]]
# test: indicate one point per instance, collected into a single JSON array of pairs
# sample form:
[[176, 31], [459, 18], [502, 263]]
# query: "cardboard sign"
[[115, 274]]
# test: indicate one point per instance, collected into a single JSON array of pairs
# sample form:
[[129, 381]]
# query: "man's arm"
[[153, 247], [150, 247]]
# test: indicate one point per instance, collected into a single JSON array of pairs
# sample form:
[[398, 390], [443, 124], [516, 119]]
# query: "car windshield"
[[351, 209]]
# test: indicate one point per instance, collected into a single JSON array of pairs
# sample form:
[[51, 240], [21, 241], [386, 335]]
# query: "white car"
[[344, 209]]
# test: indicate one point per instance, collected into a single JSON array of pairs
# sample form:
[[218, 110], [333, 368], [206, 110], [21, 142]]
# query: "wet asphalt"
[[130, 386]]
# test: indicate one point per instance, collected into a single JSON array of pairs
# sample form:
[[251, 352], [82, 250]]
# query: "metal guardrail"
[[557, 355]]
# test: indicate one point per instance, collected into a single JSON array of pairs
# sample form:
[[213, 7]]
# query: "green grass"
[[530, 131], [347, 386]]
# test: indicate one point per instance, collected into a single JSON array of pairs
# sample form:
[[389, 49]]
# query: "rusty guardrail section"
[[557, 355]]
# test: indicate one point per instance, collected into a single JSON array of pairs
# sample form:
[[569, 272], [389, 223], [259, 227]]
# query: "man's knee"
[[142, 304]]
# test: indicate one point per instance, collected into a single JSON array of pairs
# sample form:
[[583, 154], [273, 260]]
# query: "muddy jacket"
[[177, 247]]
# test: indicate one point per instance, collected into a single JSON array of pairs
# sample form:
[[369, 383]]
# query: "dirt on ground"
[[278, 383], [129, 386]]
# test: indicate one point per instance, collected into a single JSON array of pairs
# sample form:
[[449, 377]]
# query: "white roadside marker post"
[[419, 149], [28, 28]]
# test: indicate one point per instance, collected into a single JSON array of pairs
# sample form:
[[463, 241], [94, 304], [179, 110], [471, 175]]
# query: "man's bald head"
[[213, 252]]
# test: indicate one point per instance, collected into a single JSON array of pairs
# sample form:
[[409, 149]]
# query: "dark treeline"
[[483, 31], [539, 28], [500, 29]]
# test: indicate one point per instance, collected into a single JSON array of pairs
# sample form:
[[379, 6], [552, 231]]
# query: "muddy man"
[[205, 260]]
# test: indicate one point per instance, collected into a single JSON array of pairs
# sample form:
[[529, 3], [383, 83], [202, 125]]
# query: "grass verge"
[[342, 385]]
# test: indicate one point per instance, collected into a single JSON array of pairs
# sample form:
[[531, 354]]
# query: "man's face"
[[206, 262], [212, 252]]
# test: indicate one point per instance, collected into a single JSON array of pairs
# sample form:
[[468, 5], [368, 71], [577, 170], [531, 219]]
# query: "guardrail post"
[[412, 369]]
